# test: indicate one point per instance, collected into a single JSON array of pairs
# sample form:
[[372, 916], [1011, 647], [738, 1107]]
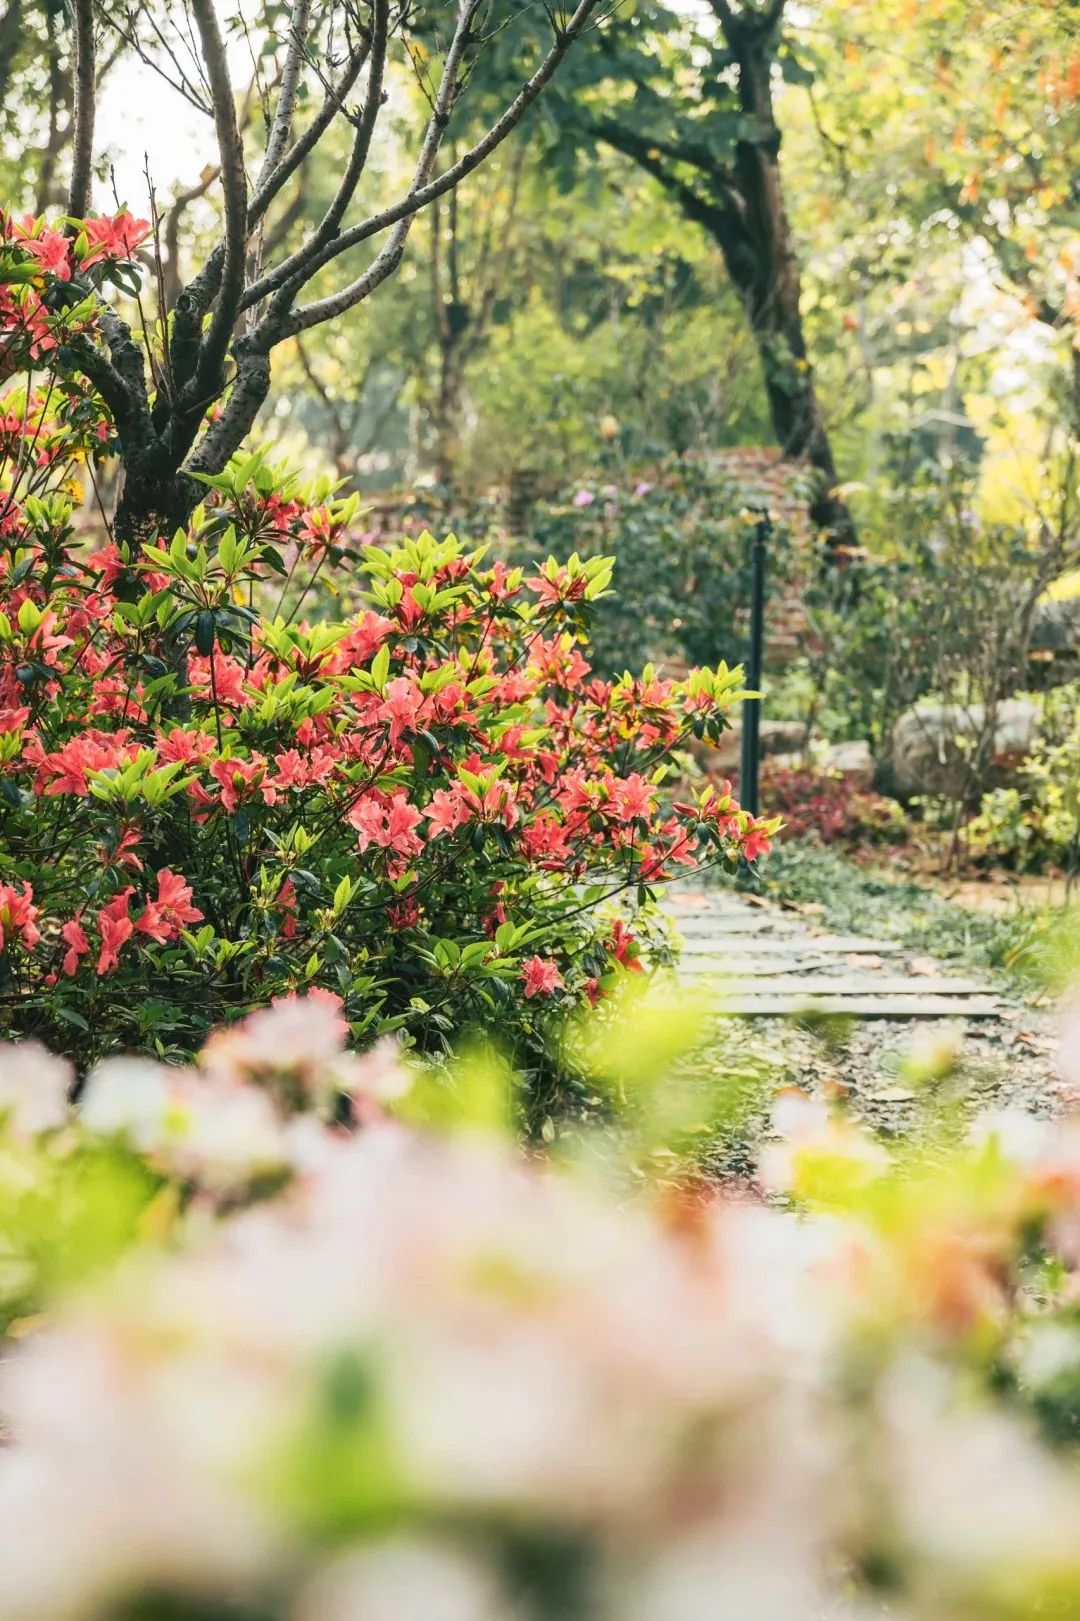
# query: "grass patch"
[[869, 901]]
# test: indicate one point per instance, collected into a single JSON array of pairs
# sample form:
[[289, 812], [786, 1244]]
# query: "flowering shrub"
[[827, 808], [680, 537], [430, 1380], [207, 800]]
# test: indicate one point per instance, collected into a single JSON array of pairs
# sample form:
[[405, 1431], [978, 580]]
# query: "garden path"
[[773, 963]]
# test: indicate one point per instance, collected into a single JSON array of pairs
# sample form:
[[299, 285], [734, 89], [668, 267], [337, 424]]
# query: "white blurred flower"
[[34, 1087], [1013, 1133], [222, 1135], [980, 1506], [132, 1097], [372, 1080], [1048, 1351], [294, 1033], [1068, 1054], [807, 1128], [932, 1053], [407, 1579]]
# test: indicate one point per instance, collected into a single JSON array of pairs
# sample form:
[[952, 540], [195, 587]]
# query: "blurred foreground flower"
[[426, 1380]]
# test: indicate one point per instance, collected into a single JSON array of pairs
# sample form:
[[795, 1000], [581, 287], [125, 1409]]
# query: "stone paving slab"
[[802, 984], [769, 963], [863, 1007], [714, 945]]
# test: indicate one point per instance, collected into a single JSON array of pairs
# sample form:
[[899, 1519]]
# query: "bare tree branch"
[[119, 378], [281, 128], [234, 186], [327, 227], [388, 259], [333, 103], [125, 27], [424, 191], [82, 161]]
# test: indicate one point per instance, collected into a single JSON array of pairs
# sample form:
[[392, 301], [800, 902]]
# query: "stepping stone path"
[[771, 963]]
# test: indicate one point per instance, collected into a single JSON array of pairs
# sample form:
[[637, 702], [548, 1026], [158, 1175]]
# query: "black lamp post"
[[750, 762]]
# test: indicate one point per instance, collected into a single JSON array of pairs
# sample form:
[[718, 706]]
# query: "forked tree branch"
[[269, 184], [327, 227], [423, 190]]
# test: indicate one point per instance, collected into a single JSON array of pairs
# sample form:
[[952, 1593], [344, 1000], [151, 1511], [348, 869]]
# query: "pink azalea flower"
[[114, 238], [52, 251], [541, 976], [18, 915], [116, 928], [74, 937]]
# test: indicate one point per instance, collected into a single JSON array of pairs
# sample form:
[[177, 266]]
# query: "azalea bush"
[[428, 805], [425, 1377]]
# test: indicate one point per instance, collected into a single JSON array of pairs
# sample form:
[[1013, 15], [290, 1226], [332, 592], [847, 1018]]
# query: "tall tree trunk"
[[10, 39], [48, 191], [448, 407], [764, 266], [151, 505], [740, 203]]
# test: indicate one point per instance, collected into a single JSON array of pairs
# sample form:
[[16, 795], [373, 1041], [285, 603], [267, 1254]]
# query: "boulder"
[[931, 746], [1055, 626]]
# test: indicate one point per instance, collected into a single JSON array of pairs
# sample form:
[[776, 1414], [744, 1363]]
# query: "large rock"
[[931, 746], [1055, 626]]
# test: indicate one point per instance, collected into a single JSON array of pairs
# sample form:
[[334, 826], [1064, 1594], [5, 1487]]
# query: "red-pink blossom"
[[541, 977], [18, 915], [116, 928]]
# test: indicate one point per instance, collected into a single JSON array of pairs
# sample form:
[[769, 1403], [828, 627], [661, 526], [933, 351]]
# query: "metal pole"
[[750, 763]]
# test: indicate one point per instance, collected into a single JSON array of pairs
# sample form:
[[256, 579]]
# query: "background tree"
[[471, 249], [964, 120], [692, 102]]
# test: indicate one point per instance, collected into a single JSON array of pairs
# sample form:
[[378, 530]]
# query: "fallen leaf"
[[924, 965]]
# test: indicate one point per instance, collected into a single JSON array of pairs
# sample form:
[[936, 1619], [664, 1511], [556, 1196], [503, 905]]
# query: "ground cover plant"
[[867, 898]]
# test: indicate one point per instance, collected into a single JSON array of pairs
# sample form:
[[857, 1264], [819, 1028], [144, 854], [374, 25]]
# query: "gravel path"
[[819, 1011]]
